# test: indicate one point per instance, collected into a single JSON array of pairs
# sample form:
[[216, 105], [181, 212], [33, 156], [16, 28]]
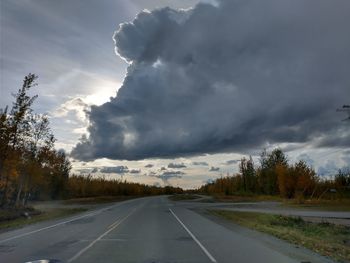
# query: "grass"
[[182, 197], [97, 200], [12, 219], [246, 198], [324, 205], [323, 238]]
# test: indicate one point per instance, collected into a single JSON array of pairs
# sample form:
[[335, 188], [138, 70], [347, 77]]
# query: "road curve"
[[145, 230]]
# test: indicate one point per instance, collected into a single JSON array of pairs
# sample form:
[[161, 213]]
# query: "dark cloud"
[[166, 175], [163, 169], [214, 169], [135, 171], [200, 163], [230, 162], [176, 165], [242, 74], [115, 169], [149, 165]]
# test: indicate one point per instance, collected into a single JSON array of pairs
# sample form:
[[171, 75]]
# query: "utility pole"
[[346, 109]]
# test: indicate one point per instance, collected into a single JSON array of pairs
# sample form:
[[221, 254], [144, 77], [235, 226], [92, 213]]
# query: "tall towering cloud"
[[226, 77]]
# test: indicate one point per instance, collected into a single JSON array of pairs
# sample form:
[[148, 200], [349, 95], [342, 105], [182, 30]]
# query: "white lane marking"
[[212, 259], [115, 225], [61, 223], [45, 228], [112, 225]]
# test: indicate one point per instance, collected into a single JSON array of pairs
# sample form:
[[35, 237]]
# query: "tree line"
[[275, 176], [31, 168], [89, 186]]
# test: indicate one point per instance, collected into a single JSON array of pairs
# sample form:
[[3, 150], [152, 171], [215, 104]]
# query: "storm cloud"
[[226, 78]]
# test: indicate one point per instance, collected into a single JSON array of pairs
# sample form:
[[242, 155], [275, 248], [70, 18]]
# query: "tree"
[[14, 130], [267, 173], [29, 164], [247, 170]]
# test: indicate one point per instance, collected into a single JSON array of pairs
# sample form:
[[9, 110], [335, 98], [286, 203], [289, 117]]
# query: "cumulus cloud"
[[114, 169], [166, 175], [330, 168], [176, 165], [200, 163], [75, 105], [214, 169], [242, 74], [230, 162]]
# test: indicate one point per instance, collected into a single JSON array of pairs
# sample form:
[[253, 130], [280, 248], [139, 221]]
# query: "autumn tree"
[[15, 129], [248, 173], [28, 160], [269, 162]]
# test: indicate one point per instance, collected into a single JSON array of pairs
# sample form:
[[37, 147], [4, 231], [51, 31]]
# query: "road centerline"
[[212, 259]]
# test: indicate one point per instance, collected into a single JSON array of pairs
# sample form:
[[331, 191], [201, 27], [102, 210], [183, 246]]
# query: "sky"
[[176, 92]]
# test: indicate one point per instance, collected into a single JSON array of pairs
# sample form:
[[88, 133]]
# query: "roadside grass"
[[313, 204], [323, 238], [246, 198], [182, 197], [324, 205], [14, 219]]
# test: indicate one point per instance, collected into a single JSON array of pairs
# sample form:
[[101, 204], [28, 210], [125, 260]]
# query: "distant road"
[[146, 230]]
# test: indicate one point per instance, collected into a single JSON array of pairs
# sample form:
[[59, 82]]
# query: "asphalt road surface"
[[146, 230]]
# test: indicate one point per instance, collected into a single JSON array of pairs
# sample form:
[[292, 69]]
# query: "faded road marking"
[[212, 259]]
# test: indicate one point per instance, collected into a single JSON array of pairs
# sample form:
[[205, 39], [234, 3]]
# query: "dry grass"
[[246, 198], [182, 197], [15, 219], [324, 205]]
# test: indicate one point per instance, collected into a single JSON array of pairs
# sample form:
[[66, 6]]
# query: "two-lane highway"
[[143, 230]]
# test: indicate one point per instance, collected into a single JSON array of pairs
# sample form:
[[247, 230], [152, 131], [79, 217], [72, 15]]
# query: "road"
[[145, 230], [270, 207]]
